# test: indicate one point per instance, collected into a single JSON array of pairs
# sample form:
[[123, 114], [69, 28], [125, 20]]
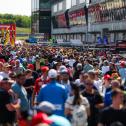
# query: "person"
[[105, 68], [87, 66], [48, 110], [115, 112], [54, 93], [21, 92], [95, 101], [108, 98], [29, 84], [7, 107], [77, 105], [65, 80], [44, 79]]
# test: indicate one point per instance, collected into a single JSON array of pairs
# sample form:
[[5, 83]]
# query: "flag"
[[7, 37], [13, 38]]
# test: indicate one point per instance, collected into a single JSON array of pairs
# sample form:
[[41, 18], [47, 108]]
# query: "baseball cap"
[[7, 80], [41, 118], [30, 66], [52, 73], [64, 71], [44, 69], [46, 107]]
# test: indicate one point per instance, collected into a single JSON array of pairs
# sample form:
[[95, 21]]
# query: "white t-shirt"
[[69, 105], [105, 69], [99, 85]]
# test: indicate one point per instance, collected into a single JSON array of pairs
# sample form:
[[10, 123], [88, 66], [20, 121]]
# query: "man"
[[54, 93], [115, 112], [19, 89], [95, 101], [7, 108], [53, 120], [65, 80]]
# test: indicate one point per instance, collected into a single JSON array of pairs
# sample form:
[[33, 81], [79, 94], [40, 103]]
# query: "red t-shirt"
[[39, 82]]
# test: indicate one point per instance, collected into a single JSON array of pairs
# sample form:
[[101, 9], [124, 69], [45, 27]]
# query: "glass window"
[[60, 6], [55, 8], [81, 1], [74, 2], [68, 4]]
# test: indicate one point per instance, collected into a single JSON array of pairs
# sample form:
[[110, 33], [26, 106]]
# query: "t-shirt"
[[85, 103], [54, 93], [22, 95], [110, 115], [29, 82], [93, 99], [5, 115], [3, 75]]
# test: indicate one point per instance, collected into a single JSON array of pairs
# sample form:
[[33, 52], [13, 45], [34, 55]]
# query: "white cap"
[[52, 73]]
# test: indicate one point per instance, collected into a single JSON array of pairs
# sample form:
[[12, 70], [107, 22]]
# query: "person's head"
[[107, 79], [30, 66], [91, 74], [28, 73], [7, 67], [17, 63], [115, 84], [64, 75], [89, 84], [44, 69], [52, 74], [46, 107], [117, 96], [12, 75], [79, 66], [106, 63], [6, 84], [76, 94], [20, 78]]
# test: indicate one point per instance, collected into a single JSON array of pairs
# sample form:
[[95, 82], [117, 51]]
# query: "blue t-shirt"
[[22, 95], [54, 93], [108, 98]]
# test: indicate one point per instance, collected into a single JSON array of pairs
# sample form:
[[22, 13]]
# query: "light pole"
[[86, 17]]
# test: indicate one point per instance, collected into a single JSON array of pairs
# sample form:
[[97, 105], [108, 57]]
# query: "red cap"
[[30, 66], [41, 118], [44, 69], [107, 77], [122, 64]]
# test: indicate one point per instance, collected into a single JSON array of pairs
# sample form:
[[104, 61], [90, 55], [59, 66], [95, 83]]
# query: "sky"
[[21, 7]]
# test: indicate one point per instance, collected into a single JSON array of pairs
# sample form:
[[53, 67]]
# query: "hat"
[[7, 80], [122, 64], [30, 66], [52, 73], [41, 118], [79, 65], [62, 68], [44, 69], [64, 71], [107, 77], [46, 107]]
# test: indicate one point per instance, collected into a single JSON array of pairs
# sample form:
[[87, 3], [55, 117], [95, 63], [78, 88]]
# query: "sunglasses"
[[89, 84]]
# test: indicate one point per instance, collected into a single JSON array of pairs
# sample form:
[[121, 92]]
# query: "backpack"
[[79, 116]]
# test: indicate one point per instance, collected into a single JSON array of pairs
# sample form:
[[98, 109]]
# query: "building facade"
[[41, 17], [106, 23]]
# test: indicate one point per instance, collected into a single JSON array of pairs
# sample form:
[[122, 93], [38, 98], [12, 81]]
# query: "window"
[[74, 2], [55, 8], [81, 1], [60, 6], [68, 4]]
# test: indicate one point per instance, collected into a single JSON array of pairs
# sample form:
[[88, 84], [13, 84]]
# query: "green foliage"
[[21, 21]]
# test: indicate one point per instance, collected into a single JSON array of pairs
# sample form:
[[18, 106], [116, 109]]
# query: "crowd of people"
[[58, 86]]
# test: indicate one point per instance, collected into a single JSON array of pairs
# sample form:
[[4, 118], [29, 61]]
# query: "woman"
[[77, 107]]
